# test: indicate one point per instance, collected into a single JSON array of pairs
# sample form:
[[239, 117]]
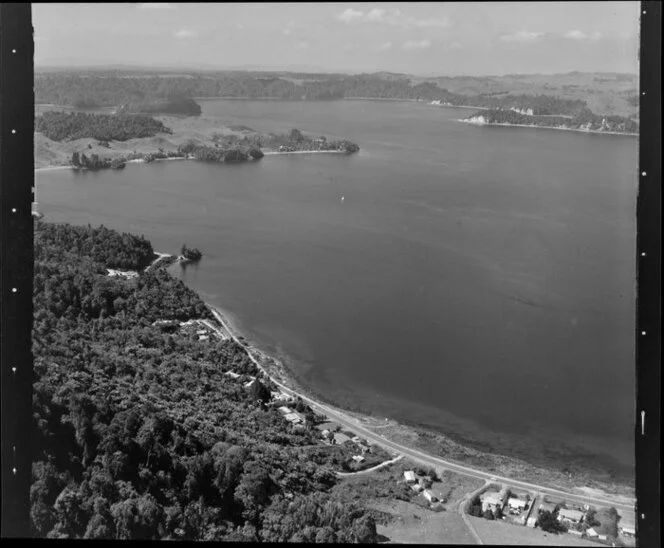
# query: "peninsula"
[[84, 140]]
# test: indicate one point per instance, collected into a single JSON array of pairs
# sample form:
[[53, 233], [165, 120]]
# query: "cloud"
[[385, 46], [184, 33], [416, 44], [302, 45], [522, 36], [393, 17], [350, 16], [286, 31], [156, 6], [580, 35]]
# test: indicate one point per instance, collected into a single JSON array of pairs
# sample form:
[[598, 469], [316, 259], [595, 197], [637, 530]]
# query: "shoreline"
[[361, 422], [533, 126]]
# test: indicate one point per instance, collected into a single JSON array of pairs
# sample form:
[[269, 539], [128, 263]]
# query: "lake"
[[479, 281]]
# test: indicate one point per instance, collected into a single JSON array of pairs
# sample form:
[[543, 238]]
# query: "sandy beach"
[[533, 126]]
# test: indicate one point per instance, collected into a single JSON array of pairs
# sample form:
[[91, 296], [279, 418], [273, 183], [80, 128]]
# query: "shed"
[[409, 476], [592, 533], [430, 496], [532, 521], [285, 410], [358, 458]]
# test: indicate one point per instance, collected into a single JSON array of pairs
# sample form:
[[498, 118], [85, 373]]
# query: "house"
[[592, 533], [627, 530], [531, 521], [203, 337], [570, 516], [231, 374], [285, 410], [416, 487], [492, 501], [516, 504], [340, 438], [603, 537], [409, 476], [201, 332], [430, 496], [575, 532], [358, 458], [546, 507], [293, 418]]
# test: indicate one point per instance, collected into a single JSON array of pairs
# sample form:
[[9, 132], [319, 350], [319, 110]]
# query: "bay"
[[479, 281]]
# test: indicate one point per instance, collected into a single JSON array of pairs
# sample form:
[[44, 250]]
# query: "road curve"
[[419, 456]]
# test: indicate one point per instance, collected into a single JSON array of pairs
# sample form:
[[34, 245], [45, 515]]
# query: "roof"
[[513, 501], [492, 498], [547, 507], [628, 529], [357, 458], [592, 533], [341, 438], [409, 475], [429, 494], [285, 409], [292, 417], [565, 513]]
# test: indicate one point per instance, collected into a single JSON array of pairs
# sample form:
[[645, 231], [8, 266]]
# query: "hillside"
[[139, 433], [603, 94]]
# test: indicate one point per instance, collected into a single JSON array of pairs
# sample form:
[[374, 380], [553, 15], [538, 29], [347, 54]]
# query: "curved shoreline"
[[534, 126], [367, 425]]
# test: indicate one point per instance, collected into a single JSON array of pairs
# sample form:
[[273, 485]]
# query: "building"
[[340, 438], [532, 521], [201, 332], [430, 496], [592, 533], [409, 476], [231, 374], [358, 458], [575, 532], [416, 487], [285, 410], [627, 530], [203, 337], [570, 516], [546, 507], [293, 418], [492, 501], [516, 504]]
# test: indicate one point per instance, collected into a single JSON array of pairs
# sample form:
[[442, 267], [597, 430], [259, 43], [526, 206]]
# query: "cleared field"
[[497, 532], [415, 525]]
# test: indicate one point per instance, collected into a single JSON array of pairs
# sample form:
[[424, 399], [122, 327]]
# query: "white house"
[[416, 487], [409, 476], [285, 410], [429, 496], [570, 516], [592, 533], [293, 418], [492, 501], [203, 337], [358, 458], [628, 530], [531, 521], [516, 504]]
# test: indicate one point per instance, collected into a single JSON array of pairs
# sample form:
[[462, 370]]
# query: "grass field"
[[497, 532]]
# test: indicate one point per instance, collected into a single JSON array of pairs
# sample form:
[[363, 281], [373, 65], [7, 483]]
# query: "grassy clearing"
[[497, 532]]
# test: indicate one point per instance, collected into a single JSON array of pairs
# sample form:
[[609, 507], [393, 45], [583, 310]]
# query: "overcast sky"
[[417, 38]]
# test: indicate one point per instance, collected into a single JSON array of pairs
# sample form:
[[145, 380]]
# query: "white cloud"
[[156, 6], [385, 46], [286, 31], [185, 33], [580, 35], [302, 45], [522, 36], [394, 17], [350, 16], [416, 44]]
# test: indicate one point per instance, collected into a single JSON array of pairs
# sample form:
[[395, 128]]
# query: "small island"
[[189, 255]]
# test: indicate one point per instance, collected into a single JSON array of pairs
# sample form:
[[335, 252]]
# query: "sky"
[[437, 38]]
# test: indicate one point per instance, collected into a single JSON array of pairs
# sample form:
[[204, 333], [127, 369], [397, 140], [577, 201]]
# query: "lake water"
[[477, 280]]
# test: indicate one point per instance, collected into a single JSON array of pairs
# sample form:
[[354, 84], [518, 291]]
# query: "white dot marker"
[[14, 290], [13, 369], [13, 210], [14, 51], [643, 254], [643, 332], [643, 173], [14, 471]]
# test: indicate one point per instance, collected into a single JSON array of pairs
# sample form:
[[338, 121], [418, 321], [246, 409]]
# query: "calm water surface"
[[480, 281]]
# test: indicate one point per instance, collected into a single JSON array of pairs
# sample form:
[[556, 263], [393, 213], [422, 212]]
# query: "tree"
[[259, 392], [75, 159], [547, 521], [488, 514]]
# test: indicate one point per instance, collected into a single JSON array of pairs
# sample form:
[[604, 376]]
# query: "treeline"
[[81, 161], [69, 89], [60, 126], [139, 434], [174, 105], [585, 120], [236, 153], [294, 140]]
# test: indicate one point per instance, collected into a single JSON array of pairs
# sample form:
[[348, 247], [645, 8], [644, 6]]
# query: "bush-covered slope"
[[138, 431]]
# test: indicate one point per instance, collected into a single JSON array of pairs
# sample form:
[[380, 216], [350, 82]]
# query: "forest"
[[60, 126], [113, 90], [294, 140], [585, 120], [139, 434]]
